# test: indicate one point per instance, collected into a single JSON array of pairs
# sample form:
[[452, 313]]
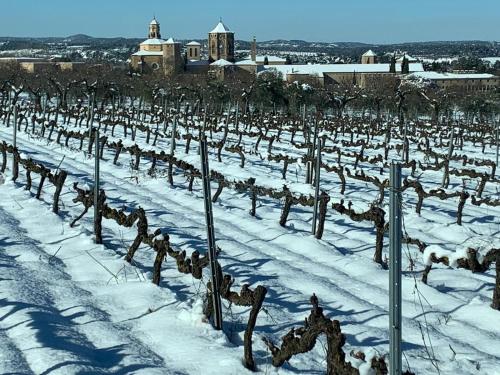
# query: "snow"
[[445, 76], [148, 53], [62, 312], [220, 29], [270, 58], [319, 69], [491, 60], [369, 53], [170, 41], [245, 62], [193, 44], [221, 62], [154, 22], [408, 58], [153, 41]]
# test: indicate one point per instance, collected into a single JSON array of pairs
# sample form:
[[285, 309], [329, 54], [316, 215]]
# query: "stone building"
[[332, 74], [461, 82], [157, 54], [221, 43], [369, 57], [193, 51], [39, 65]]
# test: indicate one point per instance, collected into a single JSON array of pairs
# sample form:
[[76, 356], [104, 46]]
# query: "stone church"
[[157, 54]]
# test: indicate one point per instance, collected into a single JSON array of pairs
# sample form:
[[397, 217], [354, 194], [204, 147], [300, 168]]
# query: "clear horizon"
[[365, 21]]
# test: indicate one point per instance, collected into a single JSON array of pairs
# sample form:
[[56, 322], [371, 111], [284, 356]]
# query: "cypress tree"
[[405, 66], [392, 67]]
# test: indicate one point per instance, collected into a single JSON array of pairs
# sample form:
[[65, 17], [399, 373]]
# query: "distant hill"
[[81, 47]]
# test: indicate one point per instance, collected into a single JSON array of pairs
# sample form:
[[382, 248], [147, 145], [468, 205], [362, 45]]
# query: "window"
[[155, 66], [190, 52]]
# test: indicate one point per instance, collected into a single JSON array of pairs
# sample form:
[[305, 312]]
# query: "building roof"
[[198, 62], [246, 62], [319, 69], [221, 62], [270, 58], [221, 29], [154, 22], [170, 41], [148, 53], [445, 76], [369, 53], [154, 41], [193, 43]]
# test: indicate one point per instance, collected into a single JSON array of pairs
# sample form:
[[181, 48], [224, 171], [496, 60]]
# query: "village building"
[[156, 54], [331, 74], [468, 82], [38, 65], [369, 57]]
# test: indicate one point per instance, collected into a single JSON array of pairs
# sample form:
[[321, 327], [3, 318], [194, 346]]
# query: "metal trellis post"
[[172, 140], [212, 254], [15, 126], [395, 269], [316, 194], [497, 139], [96, 182]]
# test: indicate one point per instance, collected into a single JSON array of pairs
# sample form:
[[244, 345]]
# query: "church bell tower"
[[154, 29], [221, 43]]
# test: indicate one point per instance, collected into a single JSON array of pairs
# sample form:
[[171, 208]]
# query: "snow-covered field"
[[68, 306]]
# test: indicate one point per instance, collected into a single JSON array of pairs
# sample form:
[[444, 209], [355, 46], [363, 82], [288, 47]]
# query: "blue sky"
[[377, 21]]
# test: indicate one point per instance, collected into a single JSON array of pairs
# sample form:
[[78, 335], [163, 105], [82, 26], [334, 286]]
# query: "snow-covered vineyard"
[[71, 306]]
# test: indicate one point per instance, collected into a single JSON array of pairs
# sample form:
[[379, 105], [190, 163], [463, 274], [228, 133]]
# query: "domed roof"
[[154, 21]]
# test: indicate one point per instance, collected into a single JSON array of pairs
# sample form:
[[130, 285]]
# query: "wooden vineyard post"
[[212, 254], [316, 193], [97, 230], [395, 269]]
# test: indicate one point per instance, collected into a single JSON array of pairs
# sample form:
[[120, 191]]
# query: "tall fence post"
[[314, 145], [96, 186], [15, 126], [172, 140], [237, 114], [316, 193], [395, 269], [497, 140], [212, 253], [450, 154]]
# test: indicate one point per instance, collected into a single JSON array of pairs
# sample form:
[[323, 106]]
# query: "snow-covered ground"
[[69, 306]]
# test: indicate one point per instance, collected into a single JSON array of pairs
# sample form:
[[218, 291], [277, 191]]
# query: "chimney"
[[254, 49]]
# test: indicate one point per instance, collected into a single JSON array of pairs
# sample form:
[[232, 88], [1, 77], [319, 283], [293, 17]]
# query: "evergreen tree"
[[405, 66], [266, 61], [392, 67]]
